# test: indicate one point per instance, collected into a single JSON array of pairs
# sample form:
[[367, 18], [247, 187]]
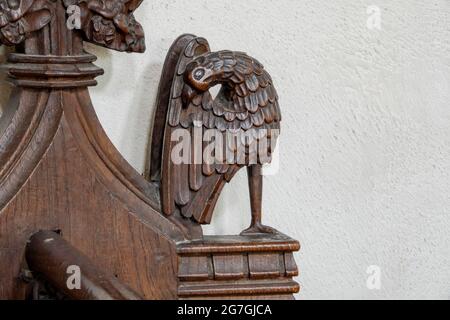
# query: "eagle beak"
[[188, 94]]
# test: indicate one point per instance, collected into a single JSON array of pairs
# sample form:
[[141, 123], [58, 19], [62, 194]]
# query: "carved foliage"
[[111, 23], [21, 17]]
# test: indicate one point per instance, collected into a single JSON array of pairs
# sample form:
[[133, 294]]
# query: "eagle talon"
[[258, 229]]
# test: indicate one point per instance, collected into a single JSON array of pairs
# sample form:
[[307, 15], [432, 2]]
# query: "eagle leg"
[[255, 183]]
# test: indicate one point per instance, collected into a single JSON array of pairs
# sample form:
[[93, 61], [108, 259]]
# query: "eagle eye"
[[198, 74]]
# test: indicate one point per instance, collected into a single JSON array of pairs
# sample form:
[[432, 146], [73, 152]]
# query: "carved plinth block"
[[238, 266]]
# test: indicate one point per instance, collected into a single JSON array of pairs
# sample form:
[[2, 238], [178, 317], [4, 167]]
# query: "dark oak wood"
[[60, 172], [238, 266]]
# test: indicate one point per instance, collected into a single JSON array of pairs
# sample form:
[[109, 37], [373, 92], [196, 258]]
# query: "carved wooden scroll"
[[60, 172]]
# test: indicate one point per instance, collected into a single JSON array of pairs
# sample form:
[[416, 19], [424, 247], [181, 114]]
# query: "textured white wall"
[[365, 154]]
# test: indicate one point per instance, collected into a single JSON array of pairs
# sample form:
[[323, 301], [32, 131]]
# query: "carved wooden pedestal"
[[60, 172], [231, 267]]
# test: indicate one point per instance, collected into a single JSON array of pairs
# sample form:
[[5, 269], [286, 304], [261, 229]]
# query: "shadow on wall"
[[104, 60], [137, 120], [141, 113], [5, 88], [231, 216], [140, 107]]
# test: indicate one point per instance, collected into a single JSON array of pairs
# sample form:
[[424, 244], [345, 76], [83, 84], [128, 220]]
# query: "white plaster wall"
[[365, 153]]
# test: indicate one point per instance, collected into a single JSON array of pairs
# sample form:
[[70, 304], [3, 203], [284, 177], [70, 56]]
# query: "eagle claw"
[[258, 229]]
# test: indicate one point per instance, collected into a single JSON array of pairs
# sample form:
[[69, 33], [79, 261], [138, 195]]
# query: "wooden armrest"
[[52, 258]]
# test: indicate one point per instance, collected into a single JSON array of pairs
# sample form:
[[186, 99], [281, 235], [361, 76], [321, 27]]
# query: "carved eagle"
[[247, 103]]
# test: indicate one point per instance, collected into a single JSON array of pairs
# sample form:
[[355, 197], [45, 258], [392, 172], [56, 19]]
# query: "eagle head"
[[198, 79]]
